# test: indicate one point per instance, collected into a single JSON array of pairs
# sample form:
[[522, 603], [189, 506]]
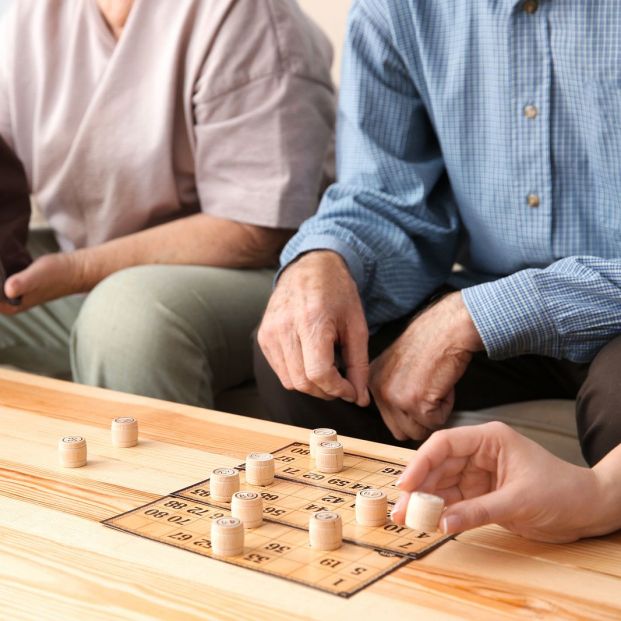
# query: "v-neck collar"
[[103, 29]]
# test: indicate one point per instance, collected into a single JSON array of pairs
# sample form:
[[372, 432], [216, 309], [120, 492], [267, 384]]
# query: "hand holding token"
[[492, 474]]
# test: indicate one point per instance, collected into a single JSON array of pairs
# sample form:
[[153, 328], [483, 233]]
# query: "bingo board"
[[280, 546]]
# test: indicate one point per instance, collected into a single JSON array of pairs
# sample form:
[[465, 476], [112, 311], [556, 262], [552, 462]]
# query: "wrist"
[[466, 335], [83, 269], [604, 510], [322, 261], [323, 257]]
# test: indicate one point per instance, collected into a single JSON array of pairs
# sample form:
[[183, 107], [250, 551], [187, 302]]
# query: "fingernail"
[[450, 524], [348, 399], [398, 482], [399, 505]]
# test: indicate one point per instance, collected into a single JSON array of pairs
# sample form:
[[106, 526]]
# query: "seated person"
[[172, 147], [476, 133]]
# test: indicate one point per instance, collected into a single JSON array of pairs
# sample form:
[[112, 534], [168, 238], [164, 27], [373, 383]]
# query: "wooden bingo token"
[[325, 530], [323, 434], [424, 511], [223, 483], [329, 457], [124, 432], [72, 451], [260, 469], [371, 507], [248, 507], [227, 536]]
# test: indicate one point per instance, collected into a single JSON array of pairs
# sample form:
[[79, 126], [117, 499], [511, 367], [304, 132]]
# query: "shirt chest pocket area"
[[603, 121]]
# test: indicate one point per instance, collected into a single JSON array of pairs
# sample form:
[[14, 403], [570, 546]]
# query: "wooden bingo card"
[[291, 502], [280, 546], [272, 548]]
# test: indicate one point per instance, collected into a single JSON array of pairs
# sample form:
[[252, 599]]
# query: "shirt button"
[[531, 112], [533, 200], [530, 6]]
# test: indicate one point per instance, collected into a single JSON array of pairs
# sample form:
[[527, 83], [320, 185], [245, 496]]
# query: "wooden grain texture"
[[601, 554], [93, 586], [92, 500], [58, 562]]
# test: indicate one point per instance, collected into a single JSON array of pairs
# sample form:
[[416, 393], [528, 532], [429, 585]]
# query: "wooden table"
[[58, 562]]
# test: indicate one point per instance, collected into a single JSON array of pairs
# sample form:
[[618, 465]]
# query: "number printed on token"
[[323, 431], [326, 516], [225, 472], [73, 439], [247, 495], [260, 456]]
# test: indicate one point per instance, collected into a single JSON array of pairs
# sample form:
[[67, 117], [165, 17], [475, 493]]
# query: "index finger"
[[320, 367], [442, 445]]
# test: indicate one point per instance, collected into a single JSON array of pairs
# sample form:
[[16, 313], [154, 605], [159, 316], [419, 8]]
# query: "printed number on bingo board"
[[275, 549]]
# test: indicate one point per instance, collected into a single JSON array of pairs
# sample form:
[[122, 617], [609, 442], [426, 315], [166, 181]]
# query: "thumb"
[[27, 280], [24, 282], [490, 508], [16, 286]]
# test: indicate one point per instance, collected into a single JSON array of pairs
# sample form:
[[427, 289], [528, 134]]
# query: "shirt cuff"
[[511, 317], [295, 249]]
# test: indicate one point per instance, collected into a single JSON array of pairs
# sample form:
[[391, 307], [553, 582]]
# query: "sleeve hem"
[[326, 242], [511, 318], [284, 213]]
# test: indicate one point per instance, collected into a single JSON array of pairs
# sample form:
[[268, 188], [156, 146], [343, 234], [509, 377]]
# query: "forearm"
[[194, 240], [399, 244], [606, 514]]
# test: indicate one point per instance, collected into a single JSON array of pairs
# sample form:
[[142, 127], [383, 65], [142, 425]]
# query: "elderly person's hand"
[[315, 307], [413, 380], [492, 474], [49, 277]]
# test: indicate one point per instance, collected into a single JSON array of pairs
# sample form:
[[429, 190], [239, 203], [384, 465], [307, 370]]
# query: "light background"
[[331, 15]]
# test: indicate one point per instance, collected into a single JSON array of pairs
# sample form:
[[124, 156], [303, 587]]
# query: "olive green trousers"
[[179, 333]]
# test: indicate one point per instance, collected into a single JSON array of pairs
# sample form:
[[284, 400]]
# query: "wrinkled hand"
[[492, 474], [413, 380], [315, 306], [49, 277]]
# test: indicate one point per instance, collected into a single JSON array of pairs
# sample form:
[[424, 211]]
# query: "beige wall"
[[331, 15]]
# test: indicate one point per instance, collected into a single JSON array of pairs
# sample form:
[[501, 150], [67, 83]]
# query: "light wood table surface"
[[58, 562]]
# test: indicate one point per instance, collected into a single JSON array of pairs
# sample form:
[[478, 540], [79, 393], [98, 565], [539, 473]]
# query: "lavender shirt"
[[219, 106]]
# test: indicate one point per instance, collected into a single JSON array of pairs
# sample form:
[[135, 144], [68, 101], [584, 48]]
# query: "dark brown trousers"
[[596, 387]]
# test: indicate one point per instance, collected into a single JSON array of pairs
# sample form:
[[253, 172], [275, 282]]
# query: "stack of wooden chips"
[[227, 536], [323, 434], [329, 457], [124, 432], [248, 507], [325, 530], [72, 451], [371, 507], [260, 469], [424, 512], [223, 483]]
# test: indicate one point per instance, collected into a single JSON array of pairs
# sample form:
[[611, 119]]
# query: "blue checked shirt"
[[486, 132]]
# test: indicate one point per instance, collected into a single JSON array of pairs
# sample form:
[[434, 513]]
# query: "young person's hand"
[[492, 474], [315, 306], [413, 380]]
